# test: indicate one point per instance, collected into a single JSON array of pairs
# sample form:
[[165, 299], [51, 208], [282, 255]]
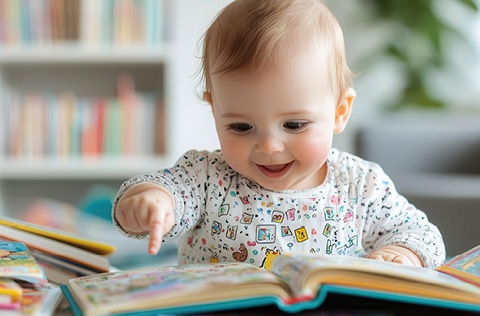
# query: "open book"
[[293, 283]]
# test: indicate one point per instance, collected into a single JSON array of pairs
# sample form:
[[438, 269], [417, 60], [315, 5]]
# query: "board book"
[[24, 288], [76, 240], [17, 266], [59, 270], [38, 299], [293, 283], [10, 293], [97, 262], [16, 260]]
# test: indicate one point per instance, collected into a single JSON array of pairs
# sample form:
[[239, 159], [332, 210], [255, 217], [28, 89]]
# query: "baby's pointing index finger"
[[156, 235]]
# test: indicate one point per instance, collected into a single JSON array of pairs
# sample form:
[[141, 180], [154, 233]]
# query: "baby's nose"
[[269, 144]]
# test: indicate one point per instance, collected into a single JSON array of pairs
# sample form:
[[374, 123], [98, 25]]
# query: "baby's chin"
[[266, 185], [278, 185], [281, 184]]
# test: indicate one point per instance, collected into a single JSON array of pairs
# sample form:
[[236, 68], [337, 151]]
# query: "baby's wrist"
[[412, 256]]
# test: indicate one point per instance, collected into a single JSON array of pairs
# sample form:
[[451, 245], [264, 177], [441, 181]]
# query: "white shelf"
[[167, 69], [81, 54], [80, 169]]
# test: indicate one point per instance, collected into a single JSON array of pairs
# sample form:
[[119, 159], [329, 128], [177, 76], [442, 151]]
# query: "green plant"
[[417, 43]]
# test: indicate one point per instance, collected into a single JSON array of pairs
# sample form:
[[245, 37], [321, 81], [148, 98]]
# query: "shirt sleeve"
[[392, 220], [186, 182]]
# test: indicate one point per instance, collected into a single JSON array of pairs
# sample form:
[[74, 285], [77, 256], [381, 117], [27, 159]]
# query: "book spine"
[[89, 22], [106, 22], [65, 126], [100, 135]]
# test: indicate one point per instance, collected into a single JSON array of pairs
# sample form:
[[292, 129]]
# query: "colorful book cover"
[[23, 284], [17, 261]]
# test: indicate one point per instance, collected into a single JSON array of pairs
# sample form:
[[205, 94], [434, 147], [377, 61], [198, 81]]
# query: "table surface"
[[335, 305]]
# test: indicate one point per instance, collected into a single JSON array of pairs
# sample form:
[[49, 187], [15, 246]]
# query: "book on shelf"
[[64, 125], [70, 247], [292, 283], [91, 22], [24, 288]]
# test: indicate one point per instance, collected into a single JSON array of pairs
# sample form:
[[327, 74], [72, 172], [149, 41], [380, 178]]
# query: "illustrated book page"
[[465, 266], [173, 286], [294, 282], [306, 273]]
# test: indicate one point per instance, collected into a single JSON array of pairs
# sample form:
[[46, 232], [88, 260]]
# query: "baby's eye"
[[295, 126], [240, 128]]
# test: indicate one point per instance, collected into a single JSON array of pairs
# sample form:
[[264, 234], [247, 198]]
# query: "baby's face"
[[276, 129]]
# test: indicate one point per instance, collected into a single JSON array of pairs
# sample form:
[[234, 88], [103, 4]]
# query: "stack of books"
[[62, 255], [24, 288]]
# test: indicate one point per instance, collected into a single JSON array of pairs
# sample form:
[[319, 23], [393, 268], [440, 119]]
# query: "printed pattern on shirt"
[[223, 216]]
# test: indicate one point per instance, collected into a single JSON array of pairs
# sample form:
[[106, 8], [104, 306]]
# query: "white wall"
[[192, 18]]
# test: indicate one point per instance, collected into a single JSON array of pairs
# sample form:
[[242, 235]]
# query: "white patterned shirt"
[[221, 215]]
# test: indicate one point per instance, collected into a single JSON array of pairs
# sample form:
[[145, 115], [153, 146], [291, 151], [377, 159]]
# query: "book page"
[[465, 266], [305, 272], [293, 272], [167, 286]]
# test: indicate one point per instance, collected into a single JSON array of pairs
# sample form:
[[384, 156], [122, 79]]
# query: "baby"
[[279, 88]]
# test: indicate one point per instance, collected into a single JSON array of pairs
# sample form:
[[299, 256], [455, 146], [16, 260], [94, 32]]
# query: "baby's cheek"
[[235, 154], [313, 149]]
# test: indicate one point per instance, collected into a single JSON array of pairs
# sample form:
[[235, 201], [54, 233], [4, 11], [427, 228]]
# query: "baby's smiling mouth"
[[275, 171]]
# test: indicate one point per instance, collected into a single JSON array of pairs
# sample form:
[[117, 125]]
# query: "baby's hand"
[[146, 208], [396, 254]]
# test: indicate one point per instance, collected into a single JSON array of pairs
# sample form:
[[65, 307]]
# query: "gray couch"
[[434, 161]]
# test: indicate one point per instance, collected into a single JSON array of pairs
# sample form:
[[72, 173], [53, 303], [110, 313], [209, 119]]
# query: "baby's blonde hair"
[[261, 35]]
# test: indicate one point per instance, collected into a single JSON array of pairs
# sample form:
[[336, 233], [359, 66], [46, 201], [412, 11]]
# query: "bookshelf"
[[161, 63]]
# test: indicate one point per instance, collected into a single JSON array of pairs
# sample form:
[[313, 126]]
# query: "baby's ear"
[[207, 97], [343, 110]]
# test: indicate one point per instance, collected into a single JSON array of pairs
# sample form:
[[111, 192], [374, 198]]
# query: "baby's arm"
[[396, 254], [146, 208], [392, 221]]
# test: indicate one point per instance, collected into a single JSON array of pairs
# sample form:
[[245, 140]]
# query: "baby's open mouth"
[[275, 171]]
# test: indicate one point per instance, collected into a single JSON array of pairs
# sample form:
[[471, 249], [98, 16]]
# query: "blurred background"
[[93, 92]]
